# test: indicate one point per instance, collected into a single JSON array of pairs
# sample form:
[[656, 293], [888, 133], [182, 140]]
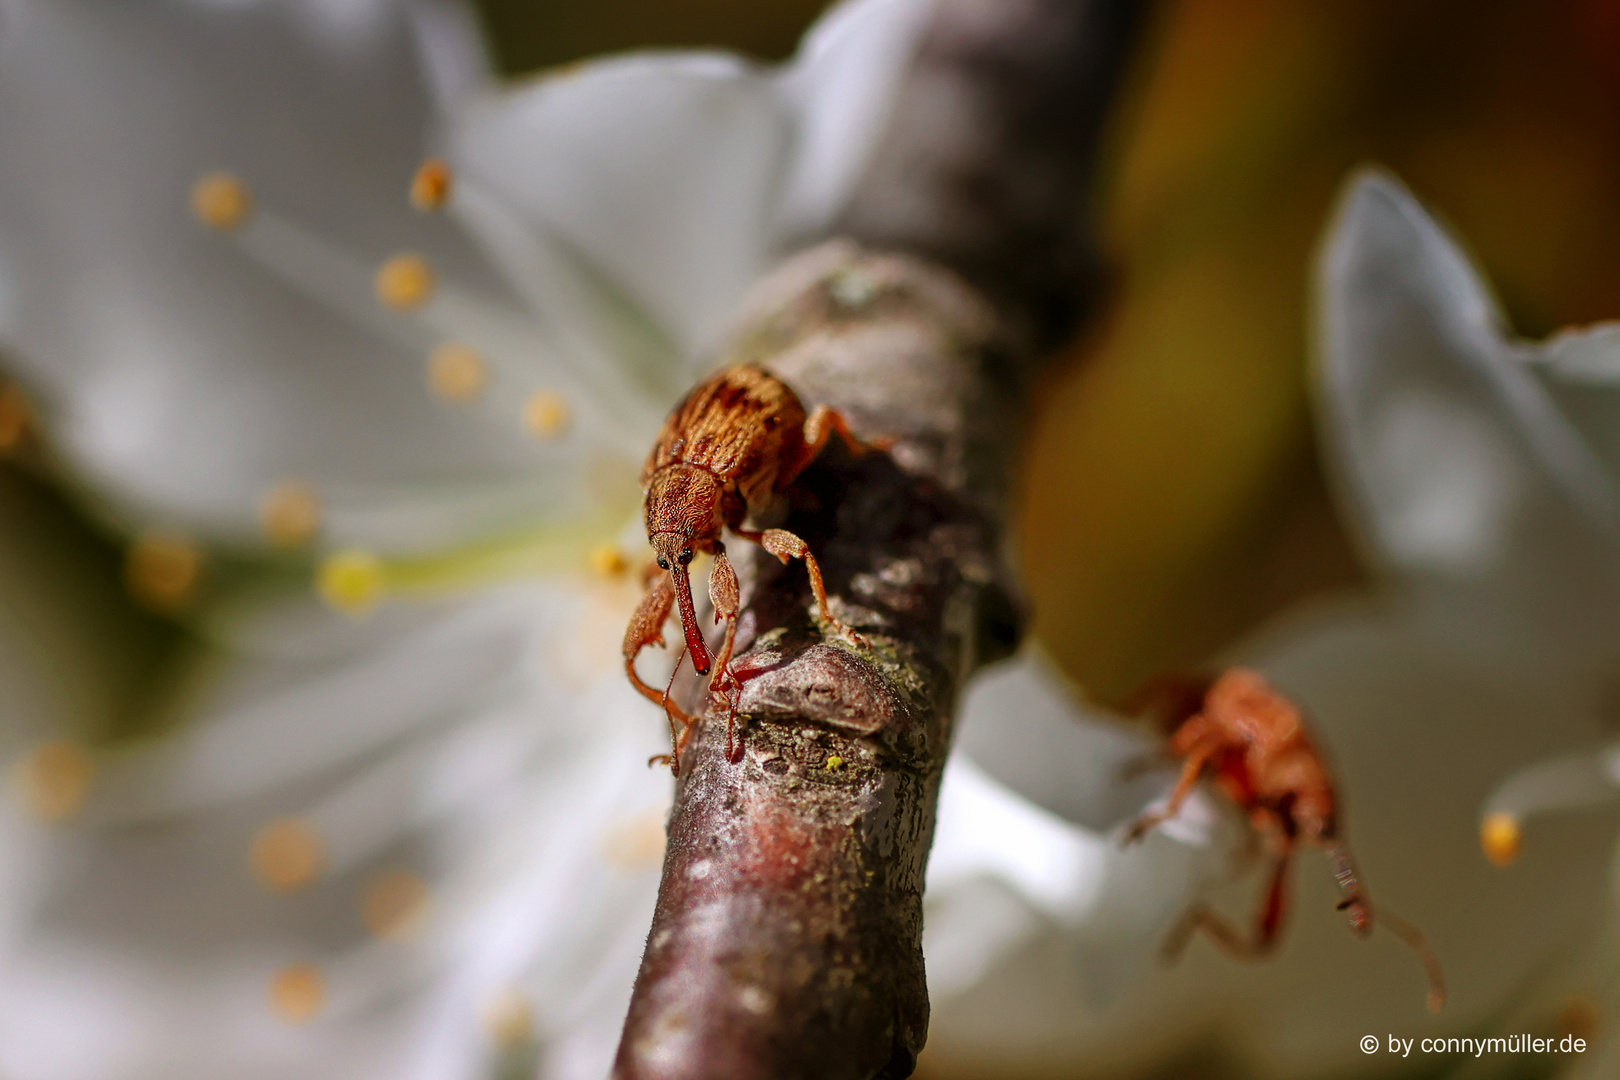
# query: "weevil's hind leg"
[[822, 424], [1191, 768], [1231, 940], [647, 628], [784, 545]]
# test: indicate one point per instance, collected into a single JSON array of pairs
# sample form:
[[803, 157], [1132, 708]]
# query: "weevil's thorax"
[[741, 426], [686, 504]]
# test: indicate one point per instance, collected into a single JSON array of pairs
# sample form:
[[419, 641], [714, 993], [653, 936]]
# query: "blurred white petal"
[[646, 168], [180, 378], [1464, 474]]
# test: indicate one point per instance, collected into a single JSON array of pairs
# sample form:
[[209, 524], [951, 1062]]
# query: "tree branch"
[[787, 938]]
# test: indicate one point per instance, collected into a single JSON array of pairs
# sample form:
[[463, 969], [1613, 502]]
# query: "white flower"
[[1478, 473], [424, 844]]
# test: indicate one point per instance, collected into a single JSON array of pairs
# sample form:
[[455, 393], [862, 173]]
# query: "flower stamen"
[[297, 993], [162, 571], [287, 854], [404, 282], [221, 201], [54, 779], [291, 514], [546, 414], [457, 372], [352, 581], [1566, 783], [430, 187], [16, 417]]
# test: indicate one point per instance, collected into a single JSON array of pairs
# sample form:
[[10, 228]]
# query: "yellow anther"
[[16, 416], [545, 414], [456, 372], [430, 187], [394, 905], [297, 993], [1499, 836], [509, 1019], [287, 854], [54, 779], [221, 201], [291, 514], [834, 763], [352, 581], [405, 282], [609, 562], [162, 571]]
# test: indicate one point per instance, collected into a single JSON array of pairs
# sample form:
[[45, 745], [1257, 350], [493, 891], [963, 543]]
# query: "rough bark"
[[787, 938]]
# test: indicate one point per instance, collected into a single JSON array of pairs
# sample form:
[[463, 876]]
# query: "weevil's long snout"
[[674, 554]]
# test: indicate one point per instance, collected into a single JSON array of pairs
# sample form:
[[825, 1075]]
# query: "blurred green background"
[[1172, 499]]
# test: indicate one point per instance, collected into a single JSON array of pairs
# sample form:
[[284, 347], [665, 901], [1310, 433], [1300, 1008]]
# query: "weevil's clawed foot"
[[660, 759], [833, 625], [1139, 829]]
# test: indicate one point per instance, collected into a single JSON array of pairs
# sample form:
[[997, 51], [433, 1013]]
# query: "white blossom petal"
[[677, 177], [181, 376], [509, 803], [1457, 461]]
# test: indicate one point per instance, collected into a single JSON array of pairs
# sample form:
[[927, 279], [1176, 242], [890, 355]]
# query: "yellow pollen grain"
[[405, 282], [609, 562], [16, 416], [456, 372], [221, 201], [545, 414], [287, 854], [352, 581], [1500, 836], [162, 571], [509, 1019], [430, 187], [297, 993], [834, 763], [291, 514], [54, 779], [394, 905]]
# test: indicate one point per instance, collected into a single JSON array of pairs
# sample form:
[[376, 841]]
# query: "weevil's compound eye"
[[685, 556], [663, 563]]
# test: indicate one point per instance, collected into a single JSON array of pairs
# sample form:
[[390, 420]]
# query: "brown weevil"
[[1255, 743], [727, 450]]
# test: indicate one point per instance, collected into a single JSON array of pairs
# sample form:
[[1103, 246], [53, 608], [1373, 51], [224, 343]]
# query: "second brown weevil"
[[1255, 743], [736, 441]]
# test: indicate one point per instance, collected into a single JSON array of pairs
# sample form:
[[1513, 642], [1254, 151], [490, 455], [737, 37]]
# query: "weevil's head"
[[684, 518]]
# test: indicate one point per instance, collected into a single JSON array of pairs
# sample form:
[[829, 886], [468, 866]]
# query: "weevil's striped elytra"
[[1254, 742], [726, 451]]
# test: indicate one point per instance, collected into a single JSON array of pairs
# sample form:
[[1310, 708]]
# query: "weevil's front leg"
[[784, 545], [1191, 768], [726, 596], [647, 628]]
